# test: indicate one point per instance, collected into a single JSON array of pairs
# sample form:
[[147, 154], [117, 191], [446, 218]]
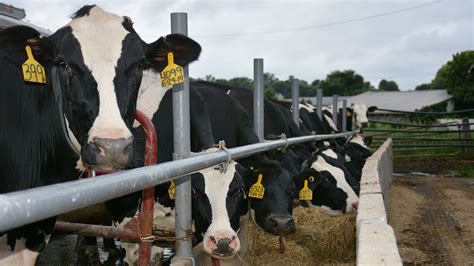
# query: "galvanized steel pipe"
[[182, 148], [295, 99], [28, 206], [258, 98]]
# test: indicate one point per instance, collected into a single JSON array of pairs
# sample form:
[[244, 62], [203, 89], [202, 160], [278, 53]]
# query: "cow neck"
[[59, 99]]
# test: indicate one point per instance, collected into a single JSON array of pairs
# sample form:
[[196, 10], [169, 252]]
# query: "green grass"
[[466, 170]]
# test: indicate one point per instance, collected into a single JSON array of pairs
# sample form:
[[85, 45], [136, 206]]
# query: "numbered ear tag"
[[257, 190], [305, 192], [172, 74], [32, 70], [171, 190]]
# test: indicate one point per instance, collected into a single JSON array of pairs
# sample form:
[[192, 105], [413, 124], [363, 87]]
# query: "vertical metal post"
[[258, 97], [182, 147], [334, 108], [466, 135], [319, 103], [344, 115], [295, 96]]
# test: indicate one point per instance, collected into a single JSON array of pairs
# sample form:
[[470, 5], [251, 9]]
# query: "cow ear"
[[372, 109], [184, 49], [368, 141]]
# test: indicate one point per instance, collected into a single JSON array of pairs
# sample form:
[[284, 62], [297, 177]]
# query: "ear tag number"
[[171, 190], [32, 70], [305, 192], [172, 74], [257, 190]]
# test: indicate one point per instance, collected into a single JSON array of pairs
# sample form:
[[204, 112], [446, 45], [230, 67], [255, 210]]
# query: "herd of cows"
[[98, 72]]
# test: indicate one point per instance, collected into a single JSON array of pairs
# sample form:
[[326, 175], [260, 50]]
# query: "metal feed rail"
[[27, 206]]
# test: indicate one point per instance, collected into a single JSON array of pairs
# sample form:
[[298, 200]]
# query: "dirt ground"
[[432, 213]]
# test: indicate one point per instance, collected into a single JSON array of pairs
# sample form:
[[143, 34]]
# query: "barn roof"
[[401, 100]]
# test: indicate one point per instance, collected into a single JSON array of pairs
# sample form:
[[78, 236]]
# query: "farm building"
[[408, 101]]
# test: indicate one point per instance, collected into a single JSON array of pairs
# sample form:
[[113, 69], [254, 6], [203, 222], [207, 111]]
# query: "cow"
[[334, 189], [93, 69], [356, 117], [218, 197], [356, 152], [230, 122]]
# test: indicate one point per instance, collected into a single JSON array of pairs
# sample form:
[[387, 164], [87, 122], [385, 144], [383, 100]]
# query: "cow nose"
[[223, 247], [282, 225], [365, 124], [112, 153], [355, 206]]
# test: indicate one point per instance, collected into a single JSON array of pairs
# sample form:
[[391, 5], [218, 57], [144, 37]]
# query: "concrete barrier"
[[376, 243]]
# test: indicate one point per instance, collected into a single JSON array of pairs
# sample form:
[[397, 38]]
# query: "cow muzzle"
[[280, 224], [222, 244], [107, 154]]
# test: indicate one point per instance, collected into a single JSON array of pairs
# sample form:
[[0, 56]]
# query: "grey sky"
[[408, 47]]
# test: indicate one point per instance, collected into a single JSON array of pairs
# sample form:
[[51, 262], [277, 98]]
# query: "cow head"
[[100, 59], [273, 213], [358, 113], [331, 190], [218, 202]]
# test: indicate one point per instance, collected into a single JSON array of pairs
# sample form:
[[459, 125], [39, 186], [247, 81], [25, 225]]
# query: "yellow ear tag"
[[32, 70], [257, 190], [305, 192], [172, 74], [348, 113], [171, 190]]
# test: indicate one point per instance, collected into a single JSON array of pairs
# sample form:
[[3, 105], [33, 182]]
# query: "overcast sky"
[[405, 41]]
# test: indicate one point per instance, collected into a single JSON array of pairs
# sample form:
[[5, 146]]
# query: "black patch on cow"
[[83, 11], [128, 77]]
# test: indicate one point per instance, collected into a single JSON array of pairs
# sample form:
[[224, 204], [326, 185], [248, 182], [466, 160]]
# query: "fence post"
[[466, 133], [334, 108], [344, 116], [295, 97], [182, 147], [319, 103], [258, 98]]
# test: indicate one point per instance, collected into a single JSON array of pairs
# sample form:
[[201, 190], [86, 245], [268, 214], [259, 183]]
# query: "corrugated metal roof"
[[326, 100], [401, 100]]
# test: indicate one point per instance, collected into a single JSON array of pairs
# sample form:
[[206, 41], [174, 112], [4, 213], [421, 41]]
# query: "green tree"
[[344, 83], [388, 85], [423, 87], [457, 76]]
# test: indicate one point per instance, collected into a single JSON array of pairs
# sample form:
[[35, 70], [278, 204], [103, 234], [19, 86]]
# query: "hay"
[[319, 239]]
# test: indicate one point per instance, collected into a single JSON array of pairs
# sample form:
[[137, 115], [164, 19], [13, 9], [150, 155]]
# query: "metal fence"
[[28, 206], [415, 137]]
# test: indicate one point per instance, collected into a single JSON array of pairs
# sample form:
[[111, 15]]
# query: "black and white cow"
[[334, 189], [231, 123], [218, 198], [356, 153], [357, 117], [98, 58]]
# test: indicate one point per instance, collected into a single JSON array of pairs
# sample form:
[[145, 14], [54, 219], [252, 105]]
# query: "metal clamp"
[[222, 147], [283, 137]]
